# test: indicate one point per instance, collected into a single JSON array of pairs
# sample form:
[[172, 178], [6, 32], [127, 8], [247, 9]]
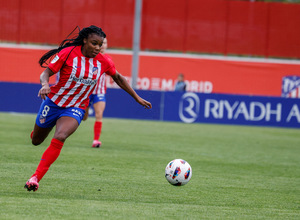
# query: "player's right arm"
[[54, 66], [44, 79]]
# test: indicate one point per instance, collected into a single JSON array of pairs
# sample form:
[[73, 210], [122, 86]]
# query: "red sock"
[[97, 129], [49, 156], [31, 134]]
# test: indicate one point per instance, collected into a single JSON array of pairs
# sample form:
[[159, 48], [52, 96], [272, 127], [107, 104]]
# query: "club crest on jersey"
[[95, 70], [42, 120]]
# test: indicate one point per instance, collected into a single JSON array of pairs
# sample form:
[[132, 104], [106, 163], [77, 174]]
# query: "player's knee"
[[61, 136], [36, 141], [85, 117], [98, 116]]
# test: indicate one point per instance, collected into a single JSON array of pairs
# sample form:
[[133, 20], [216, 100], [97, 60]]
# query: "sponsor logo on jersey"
[[291, 87], [88, 82]]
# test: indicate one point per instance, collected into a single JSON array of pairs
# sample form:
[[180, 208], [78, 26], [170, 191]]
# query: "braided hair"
[[75, 41]]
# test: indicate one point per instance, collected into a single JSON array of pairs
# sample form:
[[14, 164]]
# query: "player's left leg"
[[92, 98], [65, 126], [99, 109], [86, 114]]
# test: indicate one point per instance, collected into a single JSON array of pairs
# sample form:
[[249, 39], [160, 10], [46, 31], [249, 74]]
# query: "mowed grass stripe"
[[238, 172]]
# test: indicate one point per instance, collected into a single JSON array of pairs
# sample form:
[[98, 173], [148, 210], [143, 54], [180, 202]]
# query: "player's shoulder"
[[104, 58], [107, 63], [107, 56], [68, 50]]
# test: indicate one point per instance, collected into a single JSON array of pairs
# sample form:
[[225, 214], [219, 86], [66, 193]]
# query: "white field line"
[[168, 54]]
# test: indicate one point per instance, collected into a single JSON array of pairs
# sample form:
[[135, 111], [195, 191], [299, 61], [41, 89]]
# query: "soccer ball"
[[178, 172]]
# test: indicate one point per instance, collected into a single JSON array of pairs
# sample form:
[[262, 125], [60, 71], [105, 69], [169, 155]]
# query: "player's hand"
[[144, 103], [44, 91]]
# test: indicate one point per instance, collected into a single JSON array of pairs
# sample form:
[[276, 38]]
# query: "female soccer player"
[[80, 64], [98, 100]]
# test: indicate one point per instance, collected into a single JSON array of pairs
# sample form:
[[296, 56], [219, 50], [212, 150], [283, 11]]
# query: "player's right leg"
[[39, 134], [65, 126], [67, 123], [45, 121]]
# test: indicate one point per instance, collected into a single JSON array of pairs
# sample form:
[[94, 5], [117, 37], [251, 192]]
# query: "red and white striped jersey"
[[78, 76], [100, 87]]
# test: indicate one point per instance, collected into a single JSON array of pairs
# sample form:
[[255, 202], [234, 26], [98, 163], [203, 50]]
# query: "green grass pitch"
[[238, 172]]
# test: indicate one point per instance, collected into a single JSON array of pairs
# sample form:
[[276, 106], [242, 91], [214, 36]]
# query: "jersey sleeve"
[[111, 69], [56, 64]]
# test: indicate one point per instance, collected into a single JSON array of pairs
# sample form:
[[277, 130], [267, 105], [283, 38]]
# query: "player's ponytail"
[[75, 41]]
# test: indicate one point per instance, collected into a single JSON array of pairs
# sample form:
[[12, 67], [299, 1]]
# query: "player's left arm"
[[122, 82]]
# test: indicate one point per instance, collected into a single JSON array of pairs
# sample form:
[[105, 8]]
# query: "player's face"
[[92, 45], [180, 78], [104, 46]]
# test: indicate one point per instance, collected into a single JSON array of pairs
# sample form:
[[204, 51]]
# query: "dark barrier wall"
[[202, 26], [173, 106]]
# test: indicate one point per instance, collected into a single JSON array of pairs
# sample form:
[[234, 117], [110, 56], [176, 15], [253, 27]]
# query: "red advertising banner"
[[247, 31], [159, 71], [268, 29], [21, 65], [211, 74]]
